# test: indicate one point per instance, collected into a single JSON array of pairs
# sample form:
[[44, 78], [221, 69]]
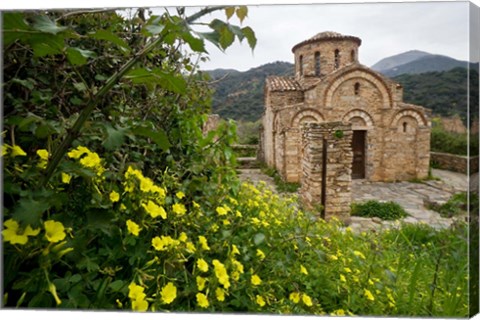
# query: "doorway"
[[358, 148]]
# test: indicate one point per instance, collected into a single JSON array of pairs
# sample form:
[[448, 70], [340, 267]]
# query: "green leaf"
[[154, 29], [29, 211], [109, 36], [229, 11], [75, 57], [44, 24], [168, 81], [226, 37], [250, 35], [213, 37], [195, 44], [115, 137], [28, 83], [44, 45], [117, 285], [158, 136], [14, 27], [258, 238], [80, 86], [242, 13]]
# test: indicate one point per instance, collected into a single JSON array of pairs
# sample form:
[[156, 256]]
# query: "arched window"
[[317, 64], [300, 62], [337, 59], [356, 88], [352, 56], [405, 126]]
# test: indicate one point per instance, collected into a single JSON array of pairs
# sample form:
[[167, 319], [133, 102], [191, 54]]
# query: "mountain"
[[444, 92], [416, 62], [239, 95], [399, 59]]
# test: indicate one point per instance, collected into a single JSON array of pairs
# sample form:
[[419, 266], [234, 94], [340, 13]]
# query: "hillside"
[[444, 92], [426, 64], [398, 59], [239, 95]]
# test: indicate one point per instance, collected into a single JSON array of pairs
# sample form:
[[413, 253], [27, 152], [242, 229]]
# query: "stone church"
[[391, 138]]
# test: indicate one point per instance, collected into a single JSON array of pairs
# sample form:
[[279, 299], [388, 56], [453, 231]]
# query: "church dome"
[[327, 36]]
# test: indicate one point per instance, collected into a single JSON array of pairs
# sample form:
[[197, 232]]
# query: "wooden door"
[[358, 148]]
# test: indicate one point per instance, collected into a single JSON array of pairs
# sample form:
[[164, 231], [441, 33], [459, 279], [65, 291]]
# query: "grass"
[[384, 210]]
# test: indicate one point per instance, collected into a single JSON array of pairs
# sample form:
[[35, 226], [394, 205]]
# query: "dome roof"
[[325, 36]]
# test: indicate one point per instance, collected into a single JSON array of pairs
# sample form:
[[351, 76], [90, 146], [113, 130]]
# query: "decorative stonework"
[[336, 138], [392, 138]]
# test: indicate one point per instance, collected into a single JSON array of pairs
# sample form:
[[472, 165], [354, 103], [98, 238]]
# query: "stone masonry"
[[390, 138], [336, 137]]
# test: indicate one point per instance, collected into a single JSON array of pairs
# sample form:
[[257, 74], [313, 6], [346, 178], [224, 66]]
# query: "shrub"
[[385, 210]]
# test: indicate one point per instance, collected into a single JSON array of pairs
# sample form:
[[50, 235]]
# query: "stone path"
[[411, 196]]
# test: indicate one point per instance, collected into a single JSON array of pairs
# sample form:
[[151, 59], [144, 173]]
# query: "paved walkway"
[[411, 196]]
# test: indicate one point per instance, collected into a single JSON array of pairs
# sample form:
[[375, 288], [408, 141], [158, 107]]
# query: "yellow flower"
[[183, 237], [114, 196], [179, 209], [307, 300], [17, 151], [202, 265], [78, 152], [260, 254], [220, 293], [4, 149], [333, 257], [91, 160], [195, 205], [347, 270], [221, 273], [202, 300], [235, 250], [14, 235], [368, 295], [259, 300], [162, 243], [342, 278], [135, 292], [139, 305], [339, 312], [201, 283], [180, 195], [359, 254], [168, 293], [255, 280], [54, 231], [303, 270], [43, 154], [66, 177], [294, 297], [191, 247], [221, 211], [154, 210], [203, 243], [133, 228]]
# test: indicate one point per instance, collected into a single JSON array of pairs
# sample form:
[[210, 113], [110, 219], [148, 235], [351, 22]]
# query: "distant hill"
[[444, 92], [239, 95], [416, 62], [399, 59]]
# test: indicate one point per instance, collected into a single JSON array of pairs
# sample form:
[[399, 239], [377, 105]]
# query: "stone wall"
[[338, 137], [454, 162]]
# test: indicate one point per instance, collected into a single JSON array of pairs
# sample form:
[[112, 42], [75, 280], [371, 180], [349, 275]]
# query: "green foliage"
[[239, 95], [450, 142], [459, 203], [248, 132], [446, 93], [385, 210], [280, 184]]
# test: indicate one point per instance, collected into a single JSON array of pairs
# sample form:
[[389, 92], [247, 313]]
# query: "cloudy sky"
[[386, 28]]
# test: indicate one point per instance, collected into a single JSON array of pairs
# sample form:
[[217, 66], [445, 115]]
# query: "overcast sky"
[[385, 29]]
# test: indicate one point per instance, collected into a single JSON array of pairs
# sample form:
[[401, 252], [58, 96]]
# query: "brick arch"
[[409, 113], [306, 113], [365, 116], [362, 74]]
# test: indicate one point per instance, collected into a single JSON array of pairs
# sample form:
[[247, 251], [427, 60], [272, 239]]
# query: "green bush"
[[458, 203], [454, 143], [385, 210]]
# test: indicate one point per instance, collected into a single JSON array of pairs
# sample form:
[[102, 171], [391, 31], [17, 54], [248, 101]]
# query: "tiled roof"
[[327, 35], [276, 83]]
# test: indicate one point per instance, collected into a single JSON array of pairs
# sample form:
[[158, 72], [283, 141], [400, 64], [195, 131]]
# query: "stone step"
[[248, 163]]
